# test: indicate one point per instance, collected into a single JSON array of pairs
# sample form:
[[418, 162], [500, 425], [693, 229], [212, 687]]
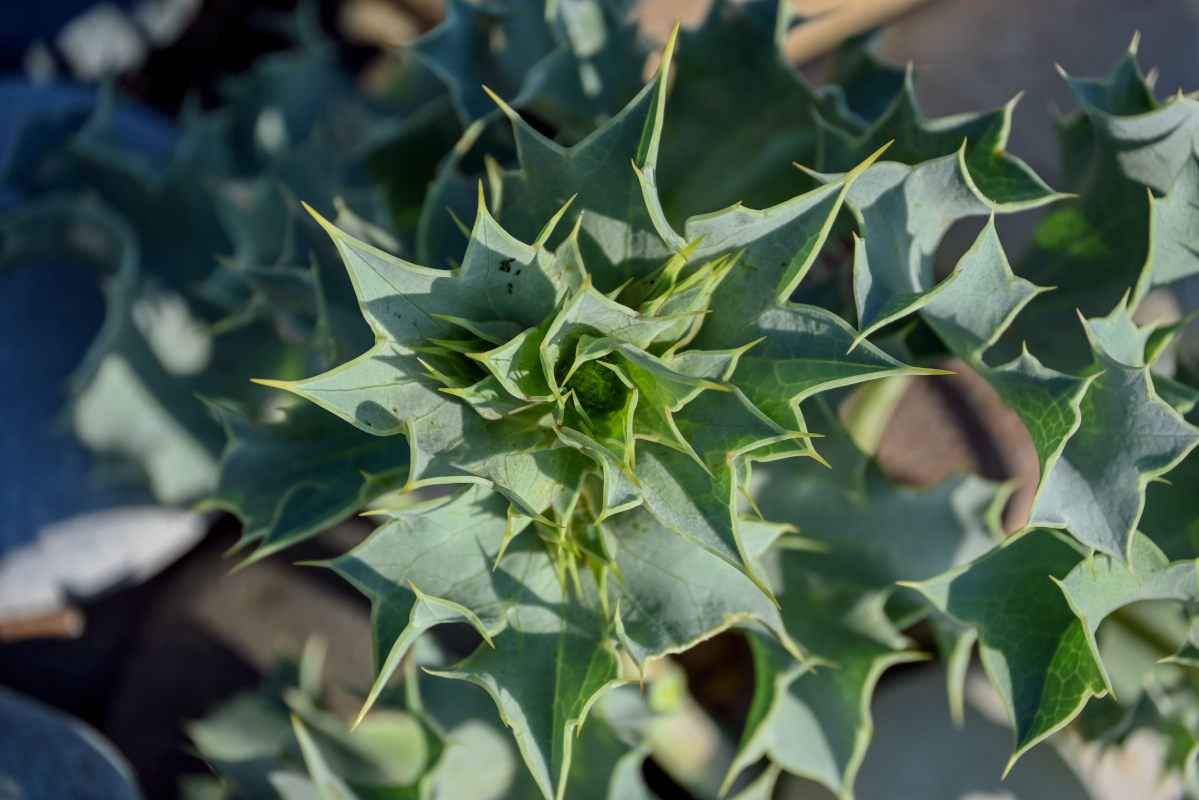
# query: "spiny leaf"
[[657, 566], [1125, 91], [501, 43], [1173, 232], [1149, 140], [807, 350], [903, 212], [1096, 248], [737, 100], [545, 707], [976, 308], [1032, 645], [695, 496], [438, 563], [616, 237], [291, 480], [798, 350], [775, 248], [1126, 437], [500, 278], [1045, 672], [882, 532], [1096, 589], [1047, 402], [875, 533], [816, 722], [445, 550], [1001, 177]]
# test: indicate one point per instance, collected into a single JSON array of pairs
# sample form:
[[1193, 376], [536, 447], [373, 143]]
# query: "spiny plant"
[[604, 360], [422, 740], [602, 378], [239, 263]]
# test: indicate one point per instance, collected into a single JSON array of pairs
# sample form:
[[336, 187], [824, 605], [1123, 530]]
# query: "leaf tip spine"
[[668, 51], [812, 453], [507, 109], [274, 384]]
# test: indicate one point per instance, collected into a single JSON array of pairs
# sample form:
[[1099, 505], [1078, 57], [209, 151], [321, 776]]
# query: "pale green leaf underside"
[[1126, 437]]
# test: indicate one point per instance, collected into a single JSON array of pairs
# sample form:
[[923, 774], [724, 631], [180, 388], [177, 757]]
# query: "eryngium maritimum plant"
[[603, 388], [601, 380]]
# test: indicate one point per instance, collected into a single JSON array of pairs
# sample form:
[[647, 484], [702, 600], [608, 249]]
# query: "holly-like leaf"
[[737, 100], [797, 350], [808, 350], [873, 533], [615, 235], [974, 312], [607, 756], [882, 532], [1047, 402], [694, 494], [432, 563], [976, 308], [544, 674], [441, 562], [1032, 645], [1173, 232], [1149, 140], [656, 566], [814, 719], [1121, 145], [903, 212], [1126, 437], [999, 176], [775, 249], [1095, 590], [496, 43], [1045, 672], [395, 388], [306, 473]]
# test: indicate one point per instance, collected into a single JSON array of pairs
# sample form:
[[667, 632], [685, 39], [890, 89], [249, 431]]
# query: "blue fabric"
[[51, 755], [57, 111], [49, 314], [23, 22]]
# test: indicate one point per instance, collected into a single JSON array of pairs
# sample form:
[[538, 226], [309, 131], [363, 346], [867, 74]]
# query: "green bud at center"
[[598, 388]]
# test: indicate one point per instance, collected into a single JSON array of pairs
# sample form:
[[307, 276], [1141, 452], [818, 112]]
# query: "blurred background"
[[117, 606]]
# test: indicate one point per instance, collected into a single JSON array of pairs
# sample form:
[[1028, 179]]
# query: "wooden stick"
[[66, 623], [831, 21], [837, 22]]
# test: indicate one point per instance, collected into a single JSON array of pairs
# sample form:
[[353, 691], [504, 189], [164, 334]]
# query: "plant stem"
[[871, 410]]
